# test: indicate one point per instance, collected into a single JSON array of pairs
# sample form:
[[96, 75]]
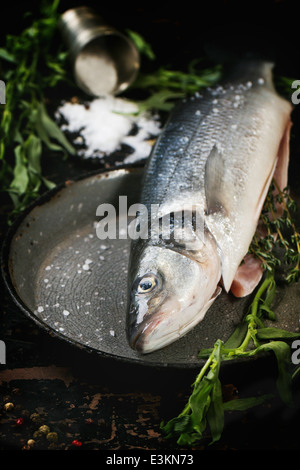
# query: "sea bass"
[[211, 167]]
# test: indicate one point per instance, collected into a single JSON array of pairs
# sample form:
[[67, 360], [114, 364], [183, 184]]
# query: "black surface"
[[126, 404]]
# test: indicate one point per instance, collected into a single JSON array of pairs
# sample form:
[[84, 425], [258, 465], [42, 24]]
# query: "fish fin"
[[226, 271], [247, 277], [264, 192], [281, 171], [215, 193], [218, 202], [250, 271]]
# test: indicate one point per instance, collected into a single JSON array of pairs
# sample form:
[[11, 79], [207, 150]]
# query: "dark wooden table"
[[109, 406]]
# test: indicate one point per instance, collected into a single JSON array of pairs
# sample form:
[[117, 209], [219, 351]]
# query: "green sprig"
[[277, 242], [30, 69], [205, 407], [164, 86]]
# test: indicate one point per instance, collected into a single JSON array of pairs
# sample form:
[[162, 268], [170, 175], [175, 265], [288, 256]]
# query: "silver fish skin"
[[216, 155]]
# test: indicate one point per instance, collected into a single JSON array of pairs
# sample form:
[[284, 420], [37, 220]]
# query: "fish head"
[[169, 294]]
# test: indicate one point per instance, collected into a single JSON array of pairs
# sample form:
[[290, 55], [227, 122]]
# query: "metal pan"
[[74, 285]]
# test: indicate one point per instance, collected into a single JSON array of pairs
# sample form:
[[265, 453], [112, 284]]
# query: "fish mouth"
[[143, 342], [147, 337], [138, 337], [139, 334]]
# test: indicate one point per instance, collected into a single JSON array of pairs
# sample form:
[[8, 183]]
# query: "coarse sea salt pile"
[[106, 123]]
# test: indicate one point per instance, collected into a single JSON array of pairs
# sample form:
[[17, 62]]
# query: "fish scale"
[[178, 161], [217, 152], [172, 164]]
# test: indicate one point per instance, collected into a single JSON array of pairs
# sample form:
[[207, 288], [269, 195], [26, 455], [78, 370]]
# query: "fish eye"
[[147, 283]]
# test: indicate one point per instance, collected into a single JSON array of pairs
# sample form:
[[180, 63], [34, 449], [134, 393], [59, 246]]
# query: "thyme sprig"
[[277, 240]]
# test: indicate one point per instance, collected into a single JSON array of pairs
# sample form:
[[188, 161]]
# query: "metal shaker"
[[104, 60]]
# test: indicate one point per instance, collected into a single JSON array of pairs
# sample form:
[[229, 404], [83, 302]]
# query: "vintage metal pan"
[[74, 285]]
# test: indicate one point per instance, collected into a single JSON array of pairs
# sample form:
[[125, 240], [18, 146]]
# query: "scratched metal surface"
[[74, 284]]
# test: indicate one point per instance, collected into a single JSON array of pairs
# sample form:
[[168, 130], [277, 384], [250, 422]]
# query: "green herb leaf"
[[204, 403], [284, 380], [142, 46], [29, 69], [33, 149], [4, 54], [236, 339], [49, 184], [20, 181], [161, 101], [48, 130], [243, 404], [275, 333]]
